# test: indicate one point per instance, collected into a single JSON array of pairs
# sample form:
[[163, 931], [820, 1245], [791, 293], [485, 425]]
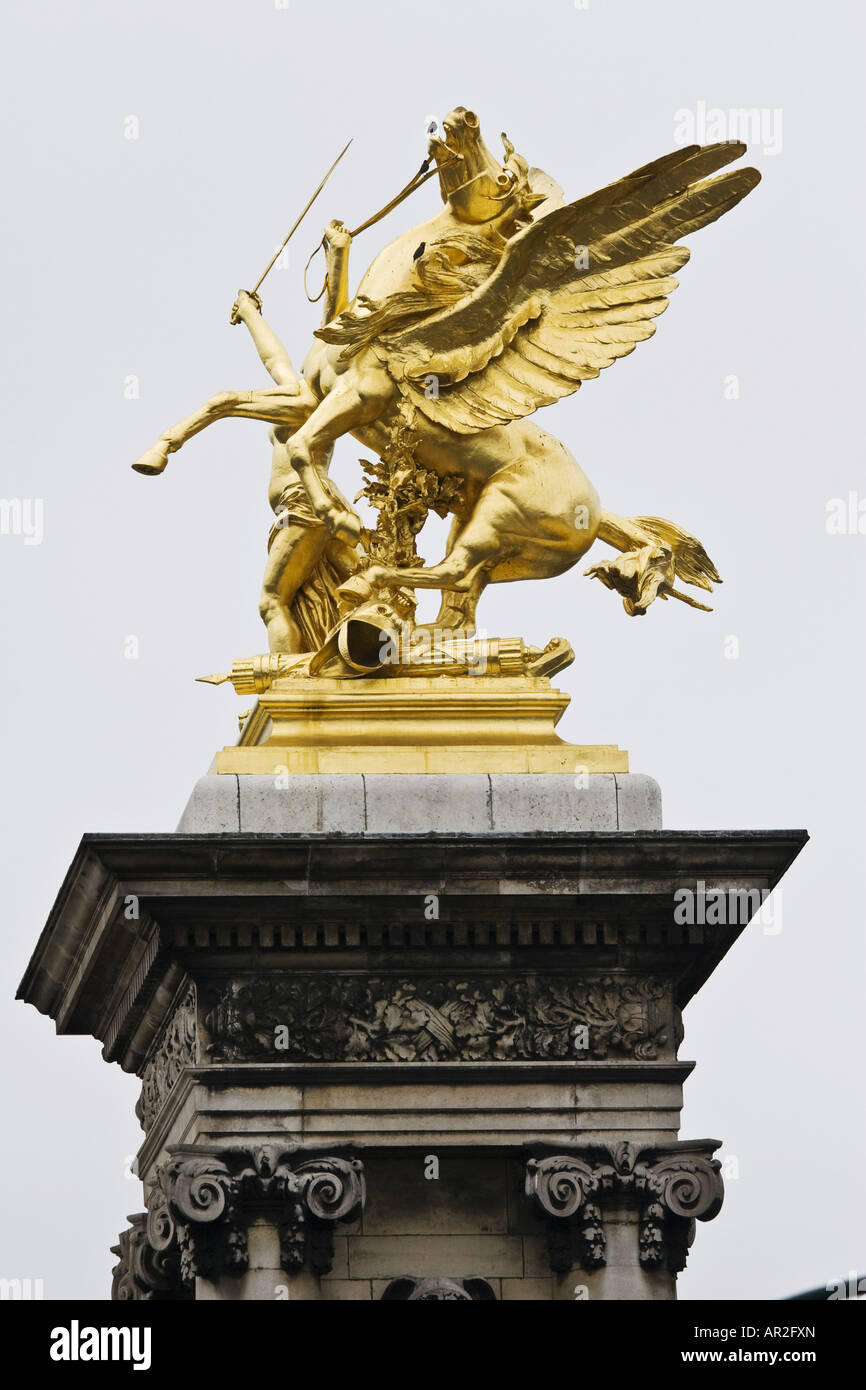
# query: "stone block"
[[334, 804], [638, 802], [347, 1290], [213, 807], [536, 1260], [550, 802], [468, 1196], [386, 1257], [527, 1290], [435, 1096], [405, 804], [522, 1215], [347, 804], [340, 1265], [266, 807]]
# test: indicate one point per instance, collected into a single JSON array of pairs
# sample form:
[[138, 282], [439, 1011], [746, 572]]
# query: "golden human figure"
[[306, 563], [503, 302]]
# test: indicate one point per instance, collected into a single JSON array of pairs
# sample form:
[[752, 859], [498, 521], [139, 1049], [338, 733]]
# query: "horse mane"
[[449, 268]]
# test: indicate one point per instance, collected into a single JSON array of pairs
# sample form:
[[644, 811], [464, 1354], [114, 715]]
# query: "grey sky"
[[122, 257]]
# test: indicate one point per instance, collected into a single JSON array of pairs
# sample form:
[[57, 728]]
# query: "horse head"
[[474, 185]]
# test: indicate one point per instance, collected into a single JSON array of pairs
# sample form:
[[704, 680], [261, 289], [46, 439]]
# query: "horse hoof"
[[152, 462], [355, 590]]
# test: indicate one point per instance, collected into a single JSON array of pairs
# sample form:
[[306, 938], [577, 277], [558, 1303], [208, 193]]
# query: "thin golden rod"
[[272, 262]]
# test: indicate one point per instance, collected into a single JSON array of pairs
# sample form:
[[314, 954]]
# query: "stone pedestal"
[[405, 1037]]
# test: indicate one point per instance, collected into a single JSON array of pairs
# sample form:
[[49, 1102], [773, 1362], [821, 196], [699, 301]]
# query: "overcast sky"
[[742, 420]]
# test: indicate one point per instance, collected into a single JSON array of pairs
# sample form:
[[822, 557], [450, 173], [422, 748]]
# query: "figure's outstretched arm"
[[337, 242], [247, 310]]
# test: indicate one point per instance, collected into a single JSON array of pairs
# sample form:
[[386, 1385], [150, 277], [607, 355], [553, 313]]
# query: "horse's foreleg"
[[358, 400], [279, 405]]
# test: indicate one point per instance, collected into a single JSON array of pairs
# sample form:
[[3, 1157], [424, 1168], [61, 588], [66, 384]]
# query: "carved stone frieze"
[[177, 1048], [328, 1018], [199, 1205], [671, 1188]]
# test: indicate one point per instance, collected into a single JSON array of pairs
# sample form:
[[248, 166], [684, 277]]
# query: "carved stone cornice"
[[604, 898], [672, 1188], [482, 1017], [200, 1203], [176, 1048]]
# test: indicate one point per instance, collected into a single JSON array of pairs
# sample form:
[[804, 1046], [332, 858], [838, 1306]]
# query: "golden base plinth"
[[438, 724]]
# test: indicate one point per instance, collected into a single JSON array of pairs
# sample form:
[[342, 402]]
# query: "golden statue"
[[505, 301]]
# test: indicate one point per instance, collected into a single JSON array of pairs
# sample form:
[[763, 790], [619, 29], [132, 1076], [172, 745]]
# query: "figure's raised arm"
[[247, 309], [337, 240]]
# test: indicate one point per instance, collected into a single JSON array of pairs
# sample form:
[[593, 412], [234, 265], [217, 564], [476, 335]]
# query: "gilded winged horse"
[[505, 301]]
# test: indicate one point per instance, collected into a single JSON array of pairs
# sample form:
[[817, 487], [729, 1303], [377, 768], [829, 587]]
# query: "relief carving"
[[177, 1048], [356, 1018]]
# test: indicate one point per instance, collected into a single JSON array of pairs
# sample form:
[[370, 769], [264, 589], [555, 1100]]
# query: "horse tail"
[[656, 552]]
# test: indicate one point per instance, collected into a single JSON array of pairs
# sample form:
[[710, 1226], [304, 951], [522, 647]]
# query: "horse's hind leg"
[[464, 569], [457, 609]]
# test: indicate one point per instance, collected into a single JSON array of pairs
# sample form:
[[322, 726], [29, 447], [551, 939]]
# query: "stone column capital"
[[144, 1273], [196, 1223], [672, 1188]]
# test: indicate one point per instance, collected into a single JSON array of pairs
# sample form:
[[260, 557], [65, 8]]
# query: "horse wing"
[[572, 293]]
